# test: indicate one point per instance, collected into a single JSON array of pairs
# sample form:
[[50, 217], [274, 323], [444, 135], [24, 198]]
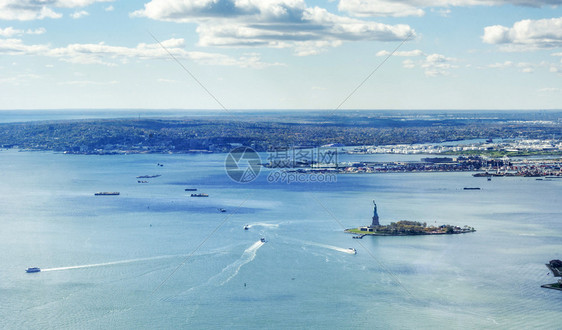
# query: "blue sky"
[[281, 54]]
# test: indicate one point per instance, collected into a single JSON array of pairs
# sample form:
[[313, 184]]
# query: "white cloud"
[[78, 14], [441, 12], [433, 65], [88, 82], [109, 8], [525, 67], [26, 10], [19, 79], [501, 65], [17, 47], [438, 65], [306, 48], [550, 90], [408, 64], [10, 31], [167, 81], [364, 8], [273, 23], [40, 30], [101, 53], [406, 53], [399, 8], [526, 34]]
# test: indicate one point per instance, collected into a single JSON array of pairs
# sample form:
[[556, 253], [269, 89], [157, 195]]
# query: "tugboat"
[[33, 270], [222, 210], [246, 227], [262, 239]]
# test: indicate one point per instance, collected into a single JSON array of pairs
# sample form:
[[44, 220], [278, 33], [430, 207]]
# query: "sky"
[[281, 54]]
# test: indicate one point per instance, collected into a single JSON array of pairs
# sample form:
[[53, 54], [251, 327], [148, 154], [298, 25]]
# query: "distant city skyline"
[[281, 54]]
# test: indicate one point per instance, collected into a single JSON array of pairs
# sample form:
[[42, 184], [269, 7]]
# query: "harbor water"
[[153, 257]]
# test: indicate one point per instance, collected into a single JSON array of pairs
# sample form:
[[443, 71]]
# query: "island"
[[405, 228]]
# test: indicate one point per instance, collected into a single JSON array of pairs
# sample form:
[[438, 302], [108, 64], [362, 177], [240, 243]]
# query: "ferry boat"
[[199, 195], [33, 270], [105, 193]]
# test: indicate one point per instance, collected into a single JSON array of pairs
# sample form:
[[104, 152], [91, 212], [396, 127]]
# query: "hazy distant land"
[[267, 131]]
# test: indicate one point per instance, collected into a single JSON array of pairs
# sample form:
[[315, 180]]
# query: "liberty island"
[[405, 228]]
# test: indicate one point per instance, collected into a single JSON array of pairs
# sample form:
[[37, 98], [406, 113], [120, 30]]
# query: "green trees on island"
[[406, 228]]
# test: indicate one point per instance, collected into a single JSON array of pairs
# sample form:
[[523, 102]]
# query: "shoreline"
[[355, 231]]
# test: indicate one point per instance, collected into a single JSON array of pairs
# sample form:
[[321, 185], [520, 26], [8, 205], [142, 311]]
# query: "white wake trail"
[[109, 263], [263, 224], [335, 248], [326, 246], [248, 255], [230, 271]]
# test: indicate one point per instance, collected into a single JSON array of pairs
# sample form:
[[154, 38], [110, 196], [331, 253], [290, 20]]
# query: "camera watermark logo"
[[303, 165], [243, 164]]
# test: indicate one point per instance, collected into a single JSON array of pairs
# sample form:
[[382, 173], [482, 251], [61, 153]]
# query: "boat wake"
[[263, 224], [230, 271], [326, 246], [108, 263], [335, 248]]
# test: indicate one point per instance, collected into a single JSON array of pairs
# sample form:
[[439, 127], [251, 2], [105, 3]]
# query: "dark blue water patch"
[[118, 204]]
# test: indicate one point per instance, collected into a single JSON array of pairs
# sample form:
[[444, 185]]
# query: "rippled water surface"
[[153, 257]]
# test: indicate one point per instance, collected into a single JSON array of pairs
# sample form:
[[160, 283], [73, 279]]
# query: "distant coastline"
[[215, 131]]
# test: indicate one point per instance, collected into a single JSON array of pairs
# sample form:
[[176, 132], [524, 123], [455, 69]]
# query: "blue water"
[[155, 258]]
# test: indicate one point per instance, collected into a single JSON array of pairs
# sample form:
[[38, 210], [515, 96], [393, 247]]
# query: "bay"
[[153, 257]]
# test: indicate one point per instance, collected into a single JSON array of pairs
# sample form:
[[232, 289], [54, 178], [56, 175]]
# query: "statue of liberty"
[[375, 216]]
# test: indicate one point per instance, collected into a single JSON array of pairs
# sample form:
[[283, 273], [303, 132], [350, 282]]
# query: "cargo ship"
[[190, 189], [148, 176], [105, 193], [33, 270]]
